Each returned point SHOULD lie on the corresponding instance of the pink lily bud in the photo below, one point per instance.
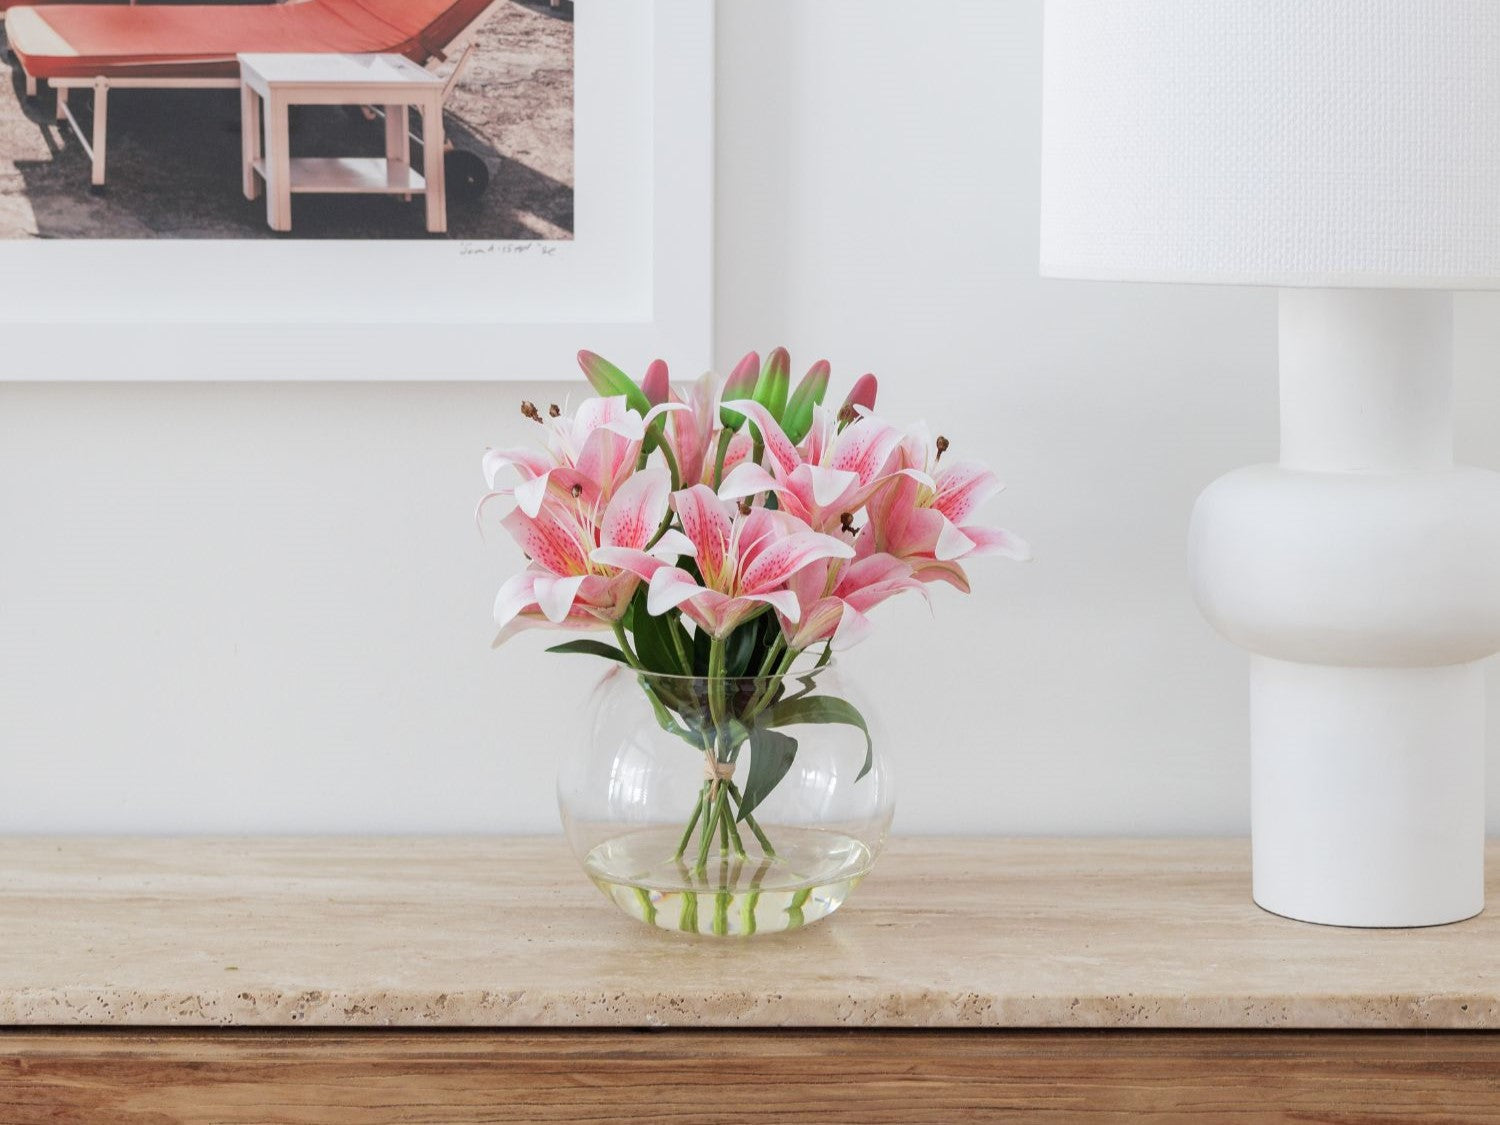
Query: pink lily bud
(862, 394)
(655, 383)
(742, 380)
(740, 385)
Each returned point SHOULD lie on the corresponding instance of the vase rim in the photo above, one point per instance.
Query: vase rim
(794, 672)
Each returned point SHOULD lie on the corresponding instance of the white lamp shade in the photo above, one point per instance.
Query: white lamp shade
(1281, 142)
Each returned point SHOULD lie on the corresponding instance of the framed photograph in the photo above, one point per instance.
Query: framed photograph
(237, 189)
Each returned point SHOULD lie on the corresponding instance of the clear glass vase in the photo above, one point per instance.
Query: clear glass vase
(727, 806)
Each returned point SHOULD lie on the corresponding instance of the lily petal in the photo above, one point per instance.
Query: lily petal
(783, 556)
(783, 601)
(747, 479)
(663, 408)
(864, 447)
(530, 494)
(547, 542)
(518, 592)
(639, 563)
(962, 487)
(636, 510)
(829, 485)
(998, 541)
(670, 587)
(775, 440)
(853, 627)
(920, 477)
(952, 543)
(530, 462)
(554, 596)
(707, 524)
(673, 543)
(816, 624)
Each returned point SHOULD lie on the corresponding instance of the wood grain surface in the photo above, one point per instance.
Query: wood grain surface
(459, 1078)
(505, 932)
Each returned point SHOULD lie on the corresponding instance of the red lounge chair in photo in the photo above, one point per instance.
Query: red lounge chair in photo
(123, 46)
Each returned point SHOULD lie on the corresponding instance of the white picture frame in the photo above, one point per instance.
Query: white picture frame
(635, 282)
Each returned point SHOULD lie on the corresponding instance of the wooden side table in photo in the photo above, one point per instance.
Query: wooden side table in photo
(272, 84)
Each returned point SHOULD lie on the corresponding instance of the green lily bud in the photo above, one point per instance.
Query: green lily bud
(798, 417)
(775, 382)
(609, 381)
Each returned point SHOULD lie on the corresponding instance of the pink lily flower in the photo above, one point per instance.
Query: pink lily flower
(745, 562)
(595, 449)
(835, 472)
(693, 433)
(835, 598)
(577, 551)
(921, 516)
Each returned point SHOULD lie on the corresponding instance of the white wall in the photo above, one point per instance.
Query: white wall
(265, 607)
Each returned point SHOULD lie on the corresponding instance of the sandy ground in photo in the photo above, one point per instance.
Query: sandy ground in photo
(174, 155)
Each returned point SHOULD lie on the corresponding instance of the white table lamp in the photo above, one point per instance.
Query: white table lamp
(1347, 151)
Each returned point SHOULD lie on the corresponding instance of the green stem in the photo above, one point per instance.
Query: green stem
(648, 908)
(768, 692)
(666, 451)
(711, 808)
(666, 520)
(734, 832)
(771, 656)
(721, 912)
(688, 921)
(687, 834)
(794, 911)
(682, 655)
(624, 643)
(751, 823)
(716, 685)
(725, 437)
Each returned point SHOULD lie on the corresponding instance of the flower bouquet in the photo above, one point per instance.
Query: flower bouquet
(726, 538)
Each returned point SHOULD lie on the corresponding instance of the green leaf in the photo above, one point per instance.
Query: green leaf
(664, 716)
(653, 639)
(823, 709)
(740, 648)
(771, 755)
(591, 648)
(702, 642)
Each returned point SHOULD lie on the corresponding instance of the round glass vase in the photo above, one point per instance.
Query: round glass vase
(727, 806)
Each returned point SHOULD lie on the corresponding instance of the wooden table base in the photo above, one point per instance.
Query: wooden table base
(143, 1077)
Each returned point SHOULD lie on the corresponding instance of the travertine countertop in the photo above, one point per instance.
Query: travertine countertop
(508, 932)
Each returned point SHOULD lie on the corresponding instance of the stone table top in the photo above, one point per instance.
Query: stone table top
(506, 932)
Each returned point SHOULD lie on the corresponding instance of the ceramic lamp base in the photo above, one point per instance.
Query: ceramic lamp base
(1361, 573)
(1367, 792)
